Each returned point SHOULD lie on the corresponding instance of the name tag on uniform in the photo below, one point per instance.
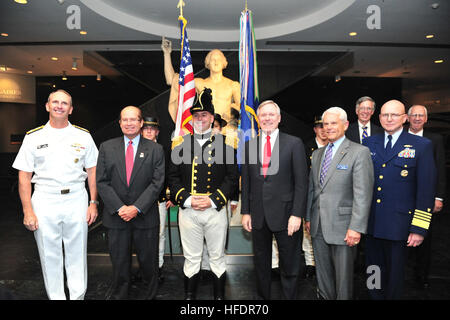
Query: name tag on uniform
(342, 167)
(141, 155)
(407, 153)
(42, 146)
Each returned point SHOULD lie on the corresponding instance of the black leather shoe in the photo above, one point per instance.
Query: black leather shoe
(310, 272)
(190, 287)
(275, 274)
(160, 275)
(219, 286)
(118, 292)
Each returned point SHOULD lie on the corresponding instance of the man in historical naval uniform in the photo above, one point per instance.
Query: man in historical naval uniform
(203, 175)
(403, 199)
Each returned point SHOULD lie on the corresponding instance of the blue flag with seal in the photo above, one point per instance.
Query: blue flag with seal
(248, 78)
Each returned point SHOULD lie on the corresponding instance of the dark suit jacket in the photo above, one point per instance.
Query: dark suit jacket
(146, 182)
(439, 158)
(352, 132)
(280, 194)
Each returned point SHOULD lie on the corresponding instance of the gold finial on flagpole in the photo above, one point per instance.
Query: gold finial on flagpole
(245, 5)
(180, 5)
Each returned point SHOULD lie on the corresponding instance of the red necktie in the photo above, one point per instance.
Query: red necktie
(267, 155)
(129, 160)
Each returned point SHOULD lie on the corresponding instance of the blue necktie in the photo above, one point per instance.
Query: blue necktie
(326, 163)
(364, 133)
(389, 144)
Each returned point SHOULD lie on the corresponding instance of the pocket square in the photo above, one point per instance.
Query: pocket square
(342, 167)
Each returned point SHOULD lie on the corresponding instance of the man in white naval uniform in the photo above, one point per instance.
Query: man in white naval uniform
(58, 211)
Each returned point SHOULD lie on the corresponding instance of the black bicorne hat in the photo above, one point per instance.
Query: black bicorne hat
(203, 102)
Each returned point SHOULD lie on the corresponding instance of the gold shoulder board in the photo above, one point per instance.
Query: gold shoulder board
(35, 129)
(86, 130)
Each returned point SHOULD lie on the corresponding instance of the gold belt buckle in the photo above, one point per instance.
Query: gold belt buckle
(65, 191)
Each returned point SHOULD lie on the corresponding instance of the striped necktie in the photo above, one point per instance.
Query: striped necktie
(364, 133)
(326, 163)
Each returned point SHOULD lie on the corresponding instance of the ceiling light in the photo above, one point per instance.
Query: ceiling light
(3, 68)
(99, 77)
(74, 64)
(21, 1)
(54, 86)
(352, 34)
(83, 32)
(54, 58)
(4, 34)
(429, 36)
(435, 5)
(438, 61)
(64, 76)
(29, 71)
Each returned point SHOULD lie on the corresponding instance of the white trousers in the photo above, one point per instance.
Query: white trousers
(62, 220)
(162, 231)
(195, 226)
(308, 248)
(275, 254)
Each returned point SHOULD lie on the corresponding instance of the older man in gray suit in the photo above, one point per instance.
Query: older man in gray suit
(339, 198)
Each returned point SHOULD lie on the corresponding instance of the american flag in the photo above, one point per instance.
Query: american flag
(186, 87)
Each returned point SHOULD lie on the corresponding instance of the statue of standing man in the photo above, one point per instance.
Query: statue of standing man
(225, 92)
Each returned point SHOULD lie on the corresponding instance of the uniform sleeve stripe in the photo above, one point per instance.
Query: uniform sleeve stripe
(423, 212)
(421, 218)
(176, 196)
(224, 198)
(420, 223)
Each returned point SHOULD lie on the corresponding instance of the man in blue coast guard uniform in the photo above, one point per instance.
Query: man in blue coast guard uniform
(403, 199)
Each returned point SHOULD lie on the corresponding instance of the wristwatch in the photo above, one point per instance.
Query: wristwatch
(94, 201)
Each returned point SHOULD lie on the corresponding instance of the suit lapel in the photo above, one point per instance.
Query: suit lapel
(120, 154)
(320, 155)
(340, 153)
(379, 147)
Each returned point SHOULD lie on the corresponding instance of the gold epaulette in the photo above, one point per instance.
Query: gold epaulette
(35, 129)
(232, 141)
(177, 141)
(86, 130)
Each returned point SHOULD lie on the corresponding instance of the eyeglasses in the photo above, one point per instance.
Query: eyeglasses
(132, 120)
(365, 108)
(394, 116)
(417, 115)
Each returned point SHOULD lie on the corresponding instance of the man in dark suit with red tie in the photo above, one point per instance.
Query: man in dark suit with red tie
(130, 176)
(274, 191)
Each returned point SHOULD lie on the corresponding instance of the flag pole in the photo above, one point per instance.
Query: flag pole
(180, 5)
